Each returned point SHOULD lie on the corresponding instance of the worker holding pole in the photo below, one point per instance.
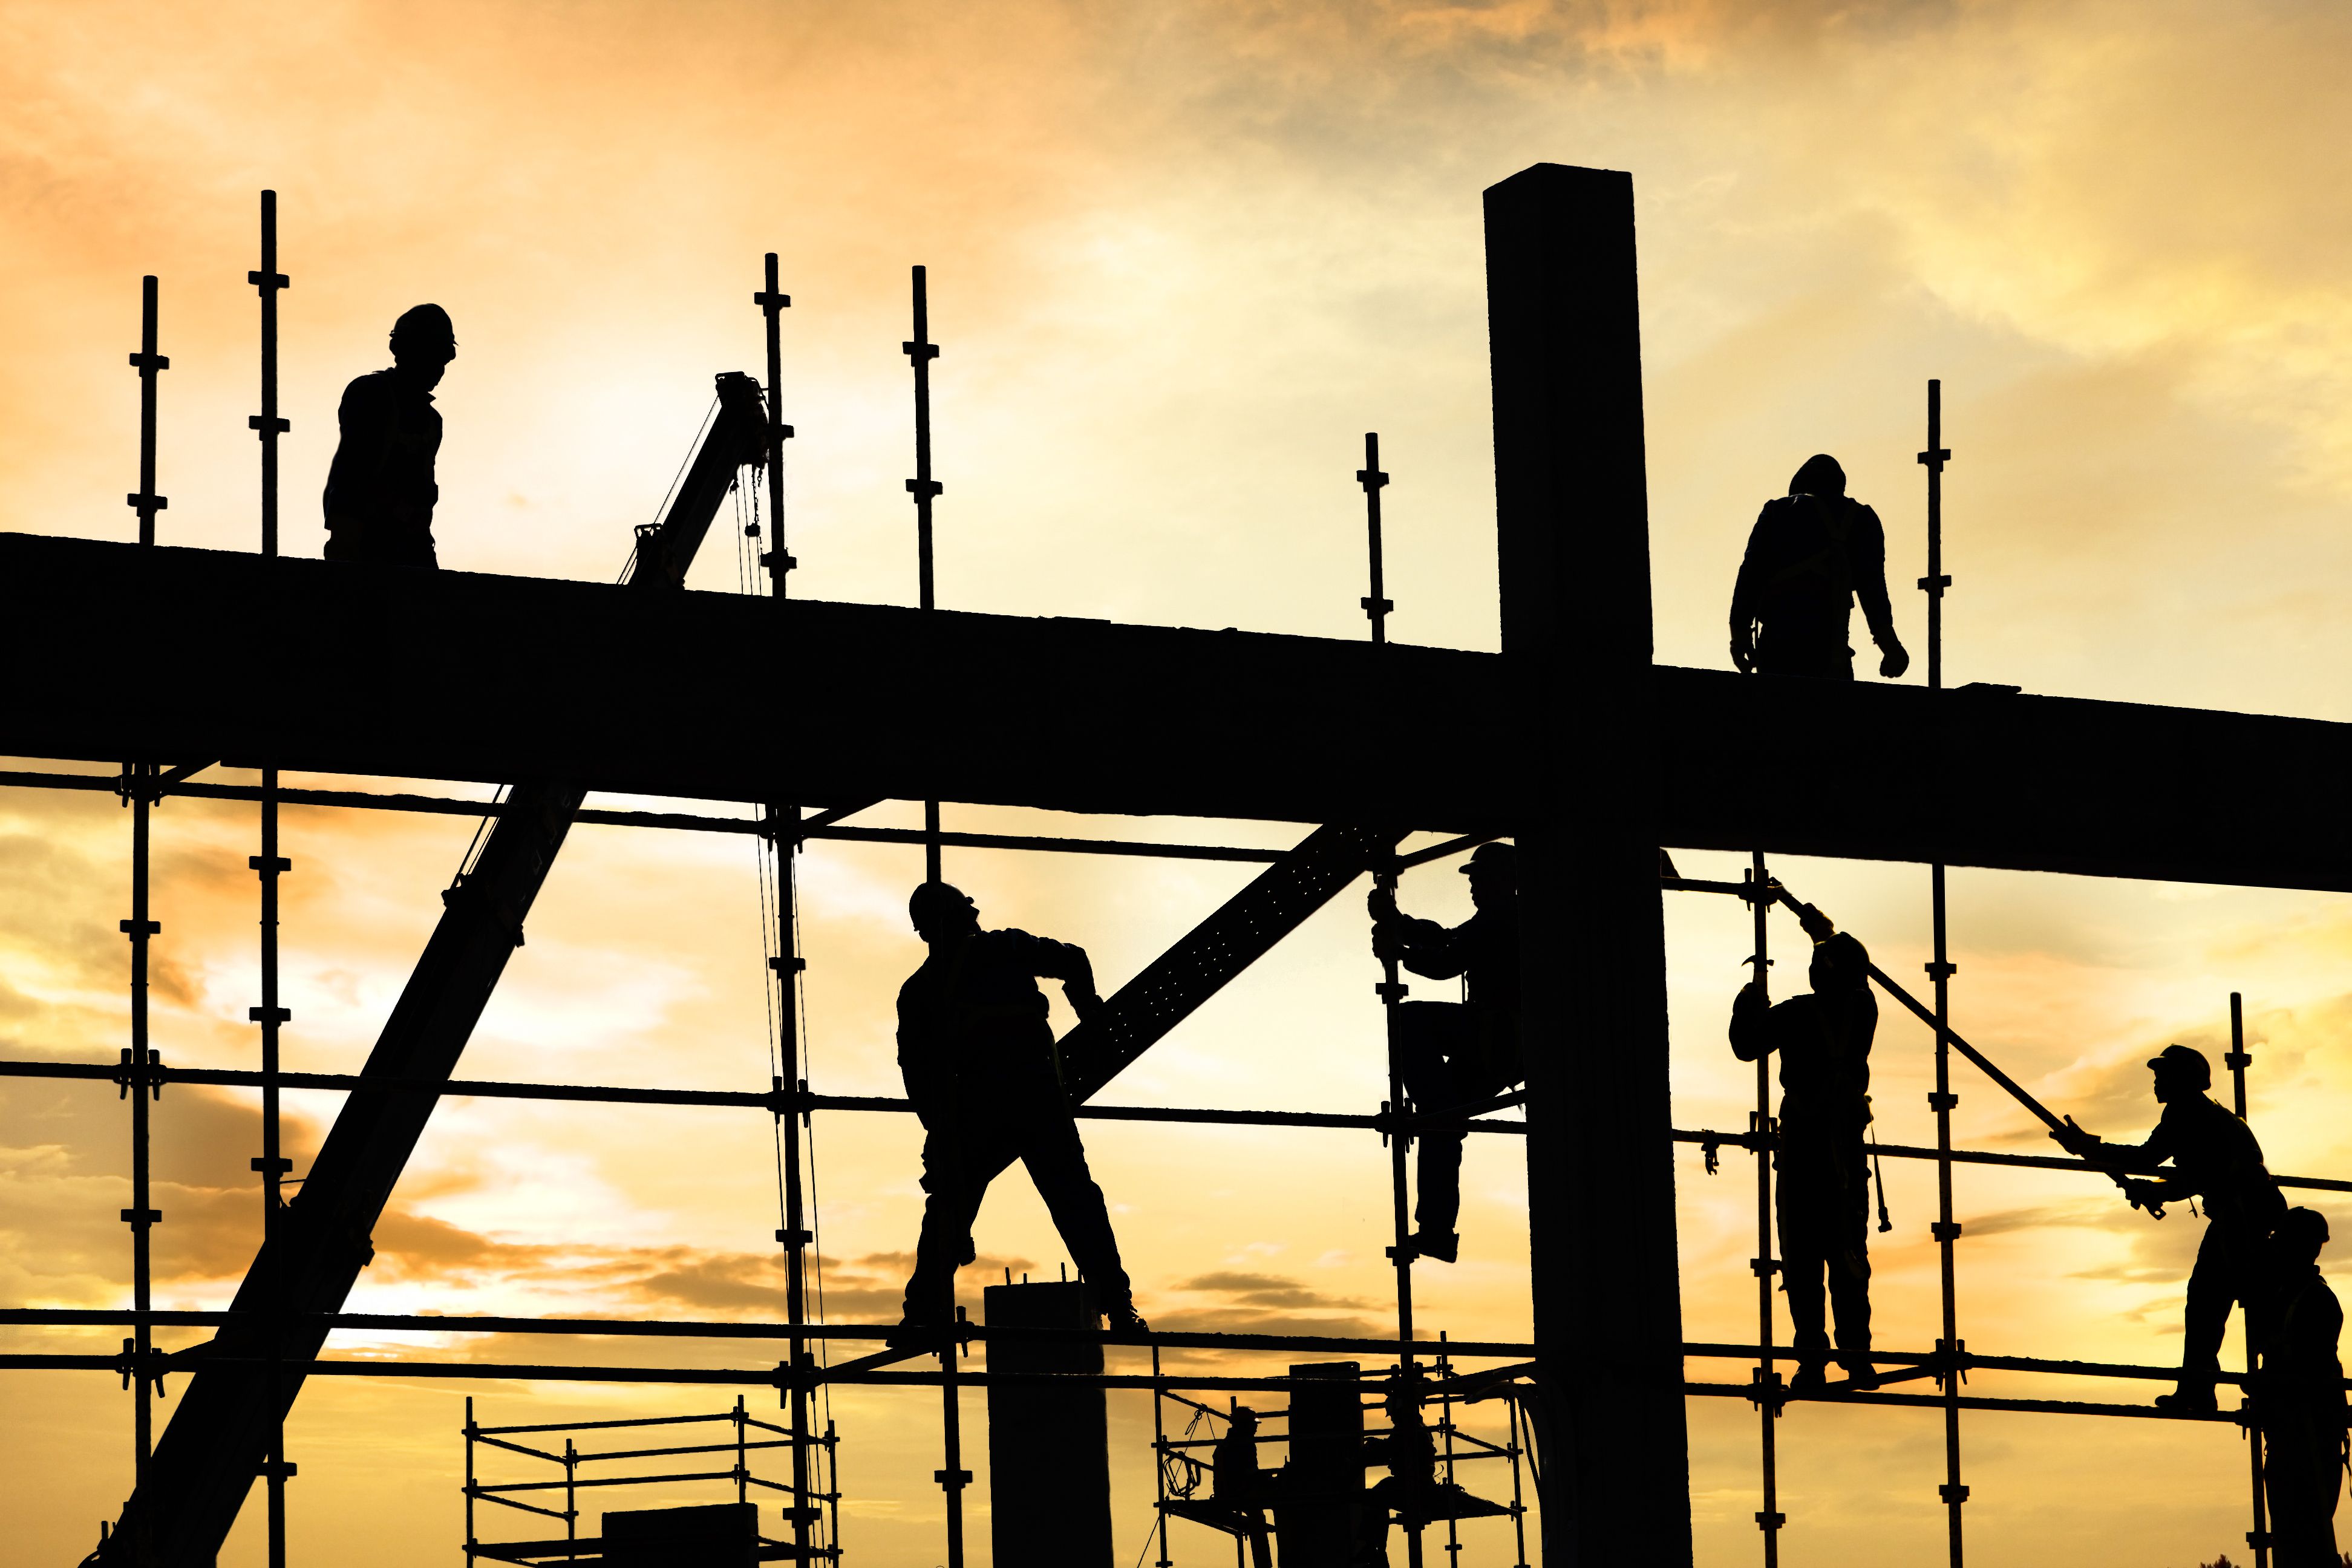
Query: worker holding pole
(981, 1069)
(1822, 1201)
(2213, 1156)
(1456, 1053)
(1811, 555)
(381, 490)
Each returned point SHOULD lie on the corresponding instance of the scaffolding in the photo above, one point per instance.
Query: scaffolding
(1425, 1370)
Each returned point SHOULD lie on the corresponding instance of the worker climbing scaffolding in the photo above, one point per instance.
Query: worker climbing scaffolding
(1823, 1042)
(1456, 1053)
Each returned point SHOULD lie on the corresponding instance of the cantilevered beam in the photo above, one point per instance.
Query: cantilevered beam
(464, 676)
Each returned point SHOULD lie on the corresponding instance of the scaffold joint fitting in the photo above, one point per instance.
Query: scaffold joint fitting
(1376, 606)
(281, 1470)
(269, 425)
(1935, 586)
(925, 489)
(1371, 478)
(2239, 1060)
(270, 1015)
(1940, 971)
(1771, 1520)
(134, 929)
(270, 865)
(141, 1219)
(952, 1480)
(1945, 1231)
(1953, 1492)
(1763, 1268)
(1937, 1102)
(794, 1237)
(273, 1165)
(1391, 990)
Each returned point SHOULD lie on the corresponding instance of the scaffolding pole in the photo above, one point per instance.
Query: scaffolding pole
(1392, 992)
(1940, 970)
(783, 842)
(920, 352)
(1769, 1518)
(270, 865)
(2258, 1539)
(138, 1084)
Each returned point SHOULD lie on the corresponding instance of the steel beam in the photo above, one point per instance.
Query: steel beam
(1572, 517)
(457, 675)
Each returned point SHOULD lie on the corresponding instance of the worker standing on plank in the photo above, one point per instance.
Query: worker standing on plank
(1823, 1197)
(2299, 1396)
(1455, 1053)
(981, 1068)
(380, 490)
(2215, 1157)
(1811, 555)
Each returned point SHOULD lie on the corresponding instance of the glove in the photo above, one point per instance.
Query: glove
(1381, 904)
(1892, 659)
(1388, 943)
(1085, 1001)
(1815, 925)
(2146, 1196)
(2073, 1140)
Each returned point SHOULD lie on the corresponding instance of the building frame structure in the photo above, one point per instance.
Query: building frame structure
(1605, 770)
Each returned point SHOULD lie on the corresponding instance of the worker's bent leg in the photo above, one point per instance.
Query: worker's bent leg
(1431, 1042)
(1050, 1147)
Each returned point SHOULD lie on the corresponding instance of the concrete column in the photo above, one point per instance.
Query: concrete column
(1572, 517)
(1048, 1448)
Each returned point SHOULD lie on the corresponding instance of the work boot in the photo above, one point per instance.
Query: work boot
(1860, 1376)
(2188, 1399)
(1443, 1246)
(1125, 1320)
(1811, 1377)
(913, 1332)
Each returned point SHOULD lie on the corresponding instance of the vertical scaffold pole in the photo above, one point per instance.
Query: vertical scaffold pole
(1159, 1463)
(784, 838)
(2258, 1540)
(952, 1476)
(270, 865)
(921, 353)
(1769, 1518)
(1947, 1230)
(471, 1433)
(137, 1082)
(1392, 992)
(1376, 608)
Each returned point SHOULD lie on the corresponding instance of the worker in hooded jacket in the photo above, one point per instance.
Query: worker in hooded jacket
(1824, 1041)
(1812, 554)
(2299, 1396)
(381, 490)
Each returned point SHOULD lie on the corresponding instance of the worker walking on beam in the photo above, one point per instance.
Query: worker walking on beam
(1456, 1053)
(2215, 1157)
(1823, 1197)
(1811, 555)
(982, 1068)
(381, 490)
(2299, 1397)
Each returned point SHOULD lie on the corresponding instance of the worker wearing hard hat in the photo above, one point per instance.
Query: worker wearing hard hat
(381, 490)
(1811, 555)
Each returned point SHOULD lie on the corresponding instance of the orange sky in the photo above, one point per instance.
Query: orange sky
(1182, 256)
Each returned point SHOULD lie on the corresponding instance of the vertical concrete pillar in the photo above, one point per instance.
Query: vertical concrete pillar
(1319, 1502)
(1572, 517)
(1048, 1448)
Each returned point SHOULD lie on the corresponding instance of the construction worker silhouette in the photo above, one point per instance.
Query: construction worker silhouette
(981, 1068)
(2299, 1396)
(2215, 1157)
(381, 490)
(1811, 555)
(1455, 1053)
(1823, 1201)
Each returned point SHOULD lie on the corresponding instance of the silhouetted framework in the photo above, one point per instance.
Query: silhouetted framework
(577, 688)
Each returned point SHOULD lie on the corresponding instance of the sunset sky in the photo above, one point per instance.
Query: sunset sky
(1182, 256)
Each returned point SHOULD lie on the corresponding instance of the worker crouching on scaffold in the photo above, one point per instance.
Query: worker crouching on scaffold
(1456, 1053)
(2298, 1396)
(1824, 1199)
(2215, 1157)
(982, 1068)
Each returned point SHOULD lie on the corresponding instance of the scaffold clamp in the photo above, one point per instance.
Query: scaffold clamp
(270, 1015)
(1944, 1230)
(1771, 1520)
(1953, 1492)
(269, 425)
(1938, 1100)
(270, 865)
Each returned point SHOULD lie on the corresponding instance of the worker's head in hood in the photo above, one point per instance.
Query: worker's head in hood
(424, 342)
(1840, 964)
(1821, 475)
(941, 910)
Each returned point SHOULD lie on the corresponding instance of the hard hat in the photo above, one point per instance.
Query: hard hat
(2183, 1060)
(1503, 857)
(424, 324)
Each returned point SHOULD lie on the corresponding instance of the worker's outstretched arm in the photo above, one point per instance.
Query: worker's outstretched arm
(1866, 559)
(1067, 963)
(2143, 1157)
